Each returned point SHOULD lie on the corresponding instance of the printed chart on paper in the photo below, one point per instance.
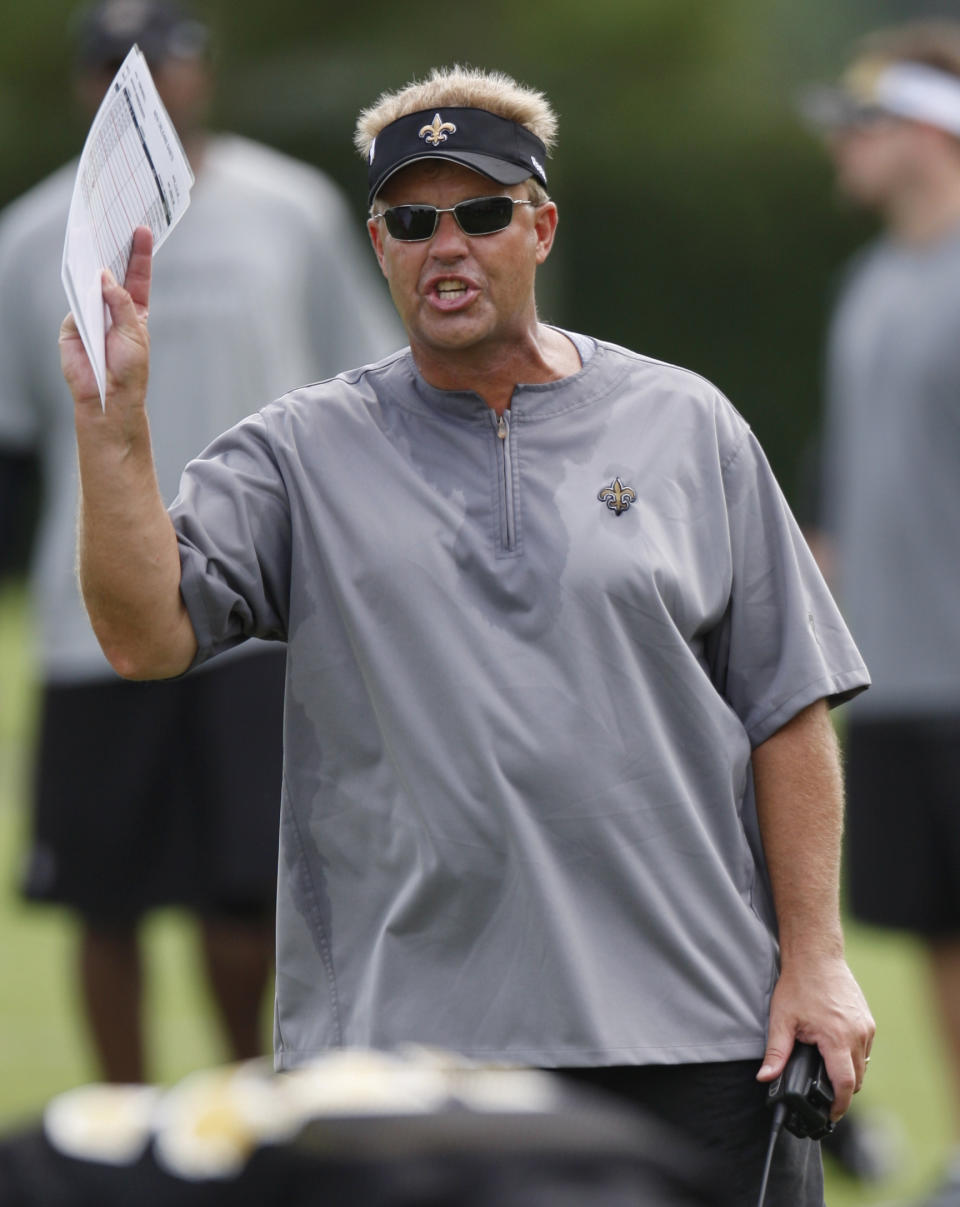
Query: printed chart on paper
(132, 172)
(121, 187)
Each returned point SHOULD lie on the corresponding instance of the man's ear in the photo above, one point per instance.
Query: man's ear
(375, 231)
(545, 226)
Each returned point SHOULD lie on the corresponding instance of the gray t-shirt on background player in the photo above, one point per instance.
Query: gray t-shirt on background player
(268, 282)
(892, 457)
(517, 814)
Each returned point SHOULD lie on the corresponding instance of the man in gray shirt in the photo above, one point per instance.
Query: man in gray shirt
(892, 493)
(560, 787)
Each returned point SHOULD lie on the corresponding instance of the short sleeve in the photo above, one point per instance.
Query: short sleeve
(232, 521)
(782, 643)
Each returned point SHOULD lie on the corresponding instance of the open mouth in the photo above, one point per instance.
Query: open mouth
(451, 291)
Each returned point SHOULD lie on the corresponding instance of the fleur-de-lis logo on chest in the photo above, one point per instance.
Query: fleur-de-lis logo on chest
(617, 496)
(437, 131)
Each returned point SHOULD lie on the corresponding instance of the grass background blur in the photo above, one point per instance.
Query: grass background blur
(43, 1048)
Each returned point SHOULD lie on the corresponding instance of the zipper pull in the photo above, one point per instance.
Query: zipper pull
(502, 428)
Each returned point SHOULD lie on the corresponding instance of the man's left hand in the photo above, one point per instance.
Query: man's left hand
(819, 1002)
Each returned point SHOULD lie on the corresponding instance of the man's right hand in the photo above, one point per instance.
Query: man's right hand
(128, 559)
(127, 342)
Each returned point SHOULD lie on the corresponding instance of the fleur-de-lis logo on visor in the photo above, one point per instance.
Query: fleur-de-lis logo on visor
(617, 496)
(437, 131)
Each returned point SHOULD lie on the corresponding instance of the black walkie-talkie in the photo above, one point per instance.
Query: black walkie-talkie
(805, 1089)
(801, 1098)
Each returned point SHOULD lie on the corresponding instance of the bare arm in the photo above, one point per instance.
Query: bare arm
(129, 566)
(799, 790)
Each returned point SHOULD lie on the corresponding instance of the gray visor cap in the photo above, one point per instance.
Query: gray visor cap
(825, 107)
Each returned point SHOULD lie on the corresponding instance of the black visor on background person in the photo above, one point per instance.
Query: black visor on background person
(104, 33)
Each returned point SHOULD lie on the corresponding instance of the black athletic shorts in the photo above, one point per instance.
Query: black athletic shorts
(903, 823)
(159, 794)
(721, 1111)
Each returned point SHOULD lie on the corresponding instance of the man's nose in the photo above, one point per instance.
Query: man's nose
(448, 238)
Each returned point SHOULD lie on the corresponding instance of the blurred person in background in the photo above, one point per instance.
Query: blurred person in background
(561, 788)
(266, 285)
(890, 525)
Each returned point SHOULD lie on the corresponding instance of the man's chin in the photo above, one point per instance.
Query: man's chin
(455, 332)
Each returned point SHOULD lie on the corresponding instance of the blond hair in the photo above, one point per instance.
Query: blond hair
(468, 88)
(933, 43)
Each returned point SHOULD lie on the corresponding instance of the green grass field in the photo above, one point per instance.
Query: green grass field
(43, 1049)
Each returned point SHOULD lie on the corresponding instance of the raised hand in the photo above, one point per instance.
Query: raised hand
(127, 343)
(128, 561)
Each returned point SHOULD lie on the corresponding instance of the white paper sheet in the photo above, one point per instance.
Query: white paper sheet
(132, 172)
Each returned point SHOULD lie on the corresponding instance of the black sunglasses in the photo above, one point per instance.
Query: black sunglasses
(481, 216)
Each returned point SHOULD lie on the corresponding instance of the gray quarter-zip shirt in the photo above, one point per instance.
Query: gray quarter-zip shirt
(527, 662)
